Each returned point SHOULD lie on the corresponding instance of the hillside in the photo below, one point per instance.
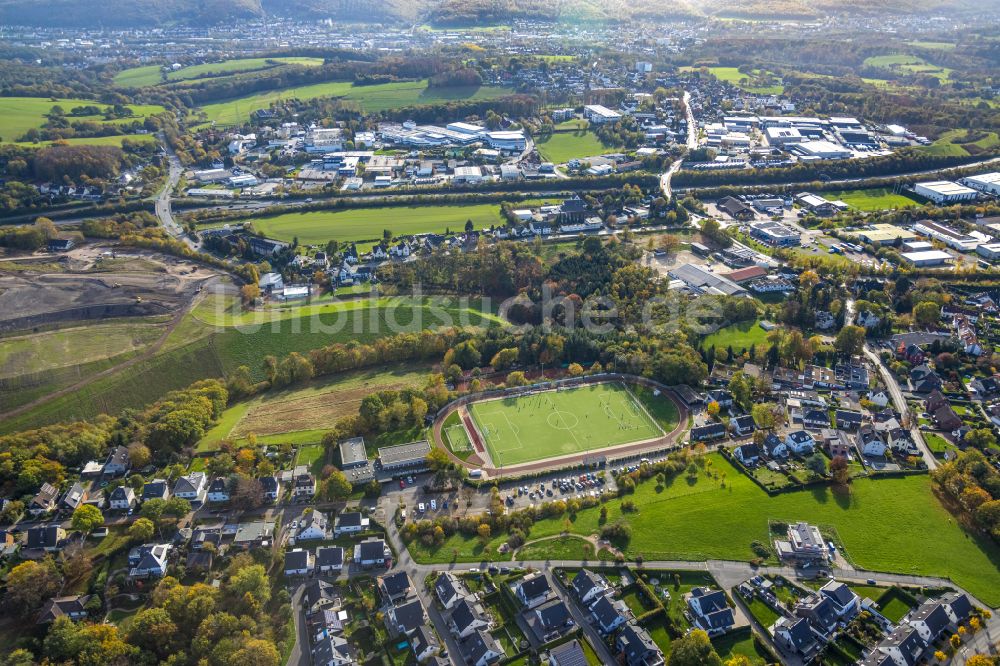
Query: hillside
(142, 13)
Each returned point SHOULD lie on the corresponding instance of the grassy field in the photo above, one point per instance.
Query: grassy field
(556, 423)
(738, 336)
(559, 548)
(20, 114)
(95, 140)
(561, 147)
(370, 98)
(41, 352)
(140, 77)
(872, 199)
(953, 143)
(739, 642)
(934, 46)
(213, 340)
(734, 76)
(368, 223)
(908, 64)
(720, 517)
(311, 407)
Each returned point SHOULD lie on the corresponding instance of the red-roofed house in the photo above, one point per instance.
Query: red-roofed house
(748, 273)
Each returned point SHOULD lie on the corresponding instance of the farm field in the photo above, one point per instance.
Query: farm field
(361, 224)
(709, 520)
(372, 98)
(872, 199)
(738, 336)
(560, 147)
(555, 423)
(311, 407)
(20, 114)
(139, 77)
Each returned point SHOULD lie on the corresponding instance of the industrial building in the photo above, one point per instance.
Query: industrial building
(782, 136)
(700, 281)
(823, 150)
(599, 115)
(947, 235)
(984, 182)
(775, 234)
(989, 250)
(945, 191)
(885, 233)
(926, 258)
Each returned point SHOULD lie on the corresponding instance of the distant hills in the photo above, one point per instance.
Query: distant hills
(146, 13)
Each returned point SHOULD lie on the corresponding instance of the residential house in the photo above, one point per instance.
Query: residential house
(218, 490)
(903, 646)
(319, 594)
(329, 559)
(722, 397)
(743, 426)
(609, 614)
(47, 537)
(816, 418)
(804, 543)
(796, 635)
(372, 553)
(820, 613)
(836, 443)
(424, 643)
(44, 501)
(946, 418)
(848, 419)
(332, 650)
(636, 648)
(74, 607)
(406, 618)
(985, 388)
(148, 561)
(155, 489)
(924, 380)
(271, 487)
(299, 562)
(870, 441)
(117, 463)
(553, 619)
(314, 525)
(350, 522)
(481, 649)
(193, 487)
(710, 611)
(800, 441)
(303, 484)
(775, 447)
(467, 618)
(708, 432)
(568, 654)
(879, 397)
(256, 534)
(845, 602)
(122, 498)
(73, 498)
(394, 587)
(748, 454)
(533, 590)
(930, 620)
(449, 589)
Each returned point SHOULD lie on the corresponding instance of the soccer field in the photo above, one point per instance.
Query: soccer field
(561, 422)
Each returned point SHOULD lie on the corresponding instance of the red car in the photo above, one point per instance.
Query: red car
(402, 484)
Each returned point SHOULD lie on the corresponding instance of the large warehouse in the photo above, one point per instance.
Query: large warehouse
(947, 235)
(823, 150)
(984, 182)
(926, 258)
(945, 191)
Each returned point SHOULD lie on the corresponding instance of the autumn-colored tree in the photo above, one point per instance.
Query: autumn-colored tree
(141, 530)
(713, 409)
(31, 583)
(839, 471)
(249, 293)
(87, 518)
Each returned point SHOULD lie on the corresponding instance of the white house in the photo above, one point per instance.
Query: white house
(588, 586)
(313, 526)
(467, 618)
(122, 498)
(449, 589)
(800, 441)
(218, 490)
(533, 590)
(350, 522)
(192, 487)
(880, 398)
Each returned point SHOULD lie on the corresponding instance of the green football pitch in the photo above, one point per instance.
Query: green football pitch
(552, 423)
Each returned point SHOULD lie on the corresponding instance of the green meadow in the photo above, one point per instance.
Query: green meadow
(20, 114)
(372, 98)
(150, 75)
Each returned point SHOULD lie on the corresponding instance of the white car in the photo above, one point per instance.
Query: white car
(421, 508)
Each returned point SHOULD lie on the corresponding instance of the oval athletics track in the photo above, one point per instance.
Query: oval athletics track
(480, 454)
